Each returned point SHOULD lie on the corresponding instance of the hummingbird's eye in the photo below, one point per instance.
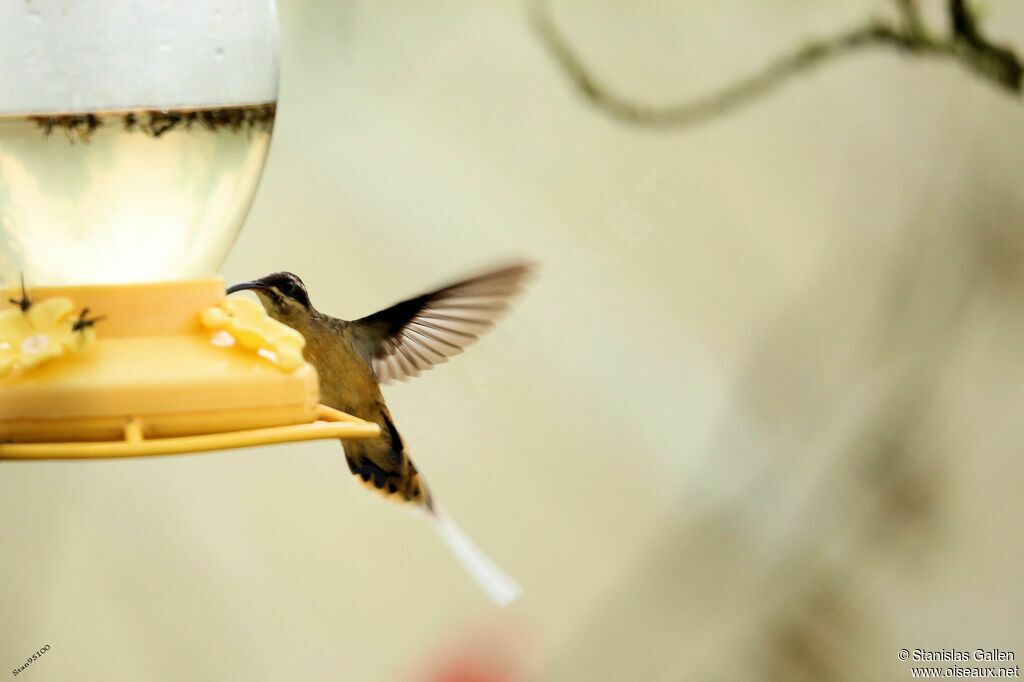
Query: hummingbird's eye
(293, 290)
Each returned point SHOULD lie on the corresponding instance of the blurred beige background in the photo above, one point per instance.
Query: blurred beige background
(757, 418)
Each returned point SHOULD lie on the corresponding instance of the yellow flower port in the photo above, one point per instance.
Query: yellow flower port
(46, 330)
(243, 321)
(171, 367)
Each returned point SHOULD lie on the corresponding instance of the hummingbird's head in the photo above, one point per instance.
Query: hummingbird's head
(282, 294)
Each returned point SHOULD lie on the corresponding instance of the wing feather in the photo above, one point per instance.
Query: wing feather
(416, 334)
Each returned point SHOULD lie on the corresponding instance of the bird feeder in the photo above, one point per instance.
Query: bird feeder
(133, 134)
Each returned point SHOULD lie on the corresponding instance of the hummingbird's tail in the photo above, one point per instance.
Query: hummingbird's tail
(502, 589)
(384, 466)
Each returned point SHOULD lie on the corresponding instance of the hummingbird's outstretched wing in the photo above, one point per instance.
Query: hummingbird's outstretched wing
(414, 335)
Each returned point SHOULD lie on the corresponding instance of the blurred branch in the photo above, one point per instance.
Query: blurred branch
(965, 44)
(999, 64)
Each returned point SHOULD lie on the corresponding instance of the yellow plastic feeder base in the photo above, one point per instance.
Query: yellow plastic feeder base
(156, 381)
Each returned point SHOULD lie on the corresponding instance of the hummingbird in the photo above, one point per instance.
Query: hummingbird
(354, 357)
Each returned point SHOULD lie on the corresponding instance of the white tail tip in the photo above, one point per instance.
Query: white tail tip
(502, 589)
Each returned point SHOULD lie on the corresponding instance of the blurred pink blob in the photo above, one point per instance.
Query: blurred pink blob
(490, 653)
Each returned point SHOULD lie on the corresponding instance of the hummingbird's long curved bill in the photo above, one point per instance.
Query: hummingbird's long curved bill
(244, 286)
